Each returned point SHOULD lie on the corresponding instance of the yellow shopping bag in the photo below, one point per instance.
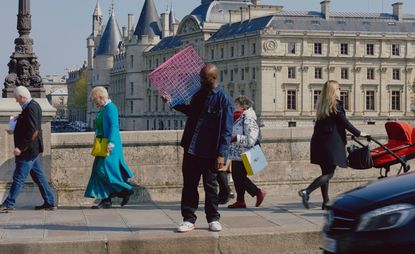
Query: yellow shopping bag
(99, 148)
(254, 160)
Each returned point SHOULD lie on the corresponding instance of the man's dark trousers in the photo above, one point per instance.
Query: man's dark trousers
(193, 168)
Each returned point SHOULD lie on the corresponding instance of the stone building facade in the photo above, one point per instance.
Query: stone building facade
(279, 58)
(56, 91)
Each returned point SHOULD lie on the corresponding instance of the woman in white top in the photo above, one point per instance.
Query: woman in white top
(245, 135)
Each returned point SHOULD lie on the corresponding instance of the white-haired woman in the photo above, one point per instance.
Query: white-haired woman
(327, 148)
(110, 174)
(245, 135)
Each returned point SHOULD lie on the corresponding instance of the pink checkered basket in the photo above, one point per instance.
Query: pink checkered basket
(178, 77)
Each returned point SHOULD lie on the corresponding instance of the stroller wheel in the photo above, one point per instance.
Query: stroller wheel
(407, 168)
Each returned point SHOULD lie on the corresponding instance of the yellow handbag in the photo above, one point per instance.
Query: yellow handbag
(99, 148)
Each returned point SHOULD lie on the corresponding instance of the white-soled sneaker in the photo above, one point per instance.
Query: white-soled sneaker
(185, 226)
(215, 226)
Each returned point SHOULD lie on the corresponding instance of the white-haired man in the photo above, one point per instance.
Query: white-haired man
(28, 145)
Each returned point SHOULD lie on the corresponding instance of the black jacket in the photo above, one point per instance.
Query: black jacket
(208, 129)
(28, 131)
(329, 139)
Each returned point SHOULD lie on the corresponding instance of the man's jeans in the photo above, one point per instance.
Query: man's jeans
(23, 168)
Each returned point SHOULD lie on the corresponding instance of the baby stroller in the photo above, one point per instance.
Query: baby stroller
(399, 149)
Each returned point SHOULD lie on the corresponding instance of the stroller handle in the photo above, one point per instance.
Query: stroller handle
(369, 139)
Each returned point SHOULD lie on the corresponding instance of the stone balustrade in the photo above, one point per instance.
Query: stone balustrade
(155, 158)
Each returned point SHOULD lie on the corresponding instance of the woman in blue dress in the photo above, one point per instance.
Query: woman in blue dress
(110, 174)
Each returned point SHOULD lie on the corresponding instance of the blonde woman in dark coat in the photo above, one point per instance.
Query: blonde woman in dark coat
(328, 142)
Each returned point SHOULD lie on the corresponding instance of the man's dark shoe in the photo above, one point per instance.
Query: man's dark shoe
(104, 204)
(46, 207)
(126, 197)
(305, 197)
(5, 209)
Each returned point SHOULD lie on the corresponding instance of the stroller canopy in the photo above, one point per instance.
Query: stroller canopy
(400, 132)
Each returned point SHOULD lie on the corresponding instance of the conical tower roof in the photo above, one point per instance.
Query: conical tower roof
(149, 22)
(111, 37)
(97, 11)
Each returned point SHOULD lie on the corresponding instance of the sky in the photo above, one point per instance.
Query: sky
(60, 27)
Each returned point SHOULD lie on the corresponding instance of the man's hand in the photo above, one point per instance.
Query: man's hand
(17, 152)
(220, 162)
(165, 98)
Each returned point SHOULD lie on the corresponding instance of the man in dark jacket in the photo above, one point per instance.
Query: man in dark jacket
(206, 139)
(28, 145)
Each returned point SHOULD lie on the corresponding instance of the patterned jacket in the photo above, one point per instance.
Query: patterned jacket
(246, 130)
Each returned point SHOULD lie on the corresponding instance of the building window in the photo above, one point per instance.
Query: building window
(175, 124)
(242, 49)
(396, 74)
(132, 61)
(243, 92)
(212, 54)
(344, 73)
(370, 73)
(344, 48)
(221, 53)
(154, 124)
(221, 76)
(344, 97)
(291, 47)
(132, 88)
(232, 51)
(149, 103)
(316, 96)
(148, 124)
(253, 48)
(169, 124)
(231, 78)
(291, 72)
(370, 49)
(396, 48)
(318, 73)
(131, 106)
(370, 100)
(242, 74)
(291, 100)
(253, 73)
(396, 100)
(317, 48)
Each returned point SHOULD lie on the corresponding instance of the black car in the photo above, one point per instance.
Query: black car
(375, 218)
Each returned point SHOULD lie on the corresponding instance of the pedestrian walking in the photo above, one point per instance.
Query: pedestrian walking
(328, 143)
(205, 140)
(110, 174)
(28, 143)
(245, 135)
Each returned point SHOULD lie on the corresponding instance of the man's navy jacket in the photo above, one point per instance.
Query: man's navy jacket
(208, 132)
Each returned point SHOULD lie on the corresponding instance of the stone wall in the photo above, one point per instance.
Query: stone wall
(155, 158)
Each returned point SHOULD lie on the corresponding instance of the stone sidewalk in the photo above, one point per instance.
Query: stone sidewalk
(275, 227)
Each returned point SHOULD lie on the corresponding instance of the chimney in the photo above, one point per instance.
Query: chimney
(165, 32)
(397, 11)
(124, 32)
(256, 2)
(325, 9)
(130, 24)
